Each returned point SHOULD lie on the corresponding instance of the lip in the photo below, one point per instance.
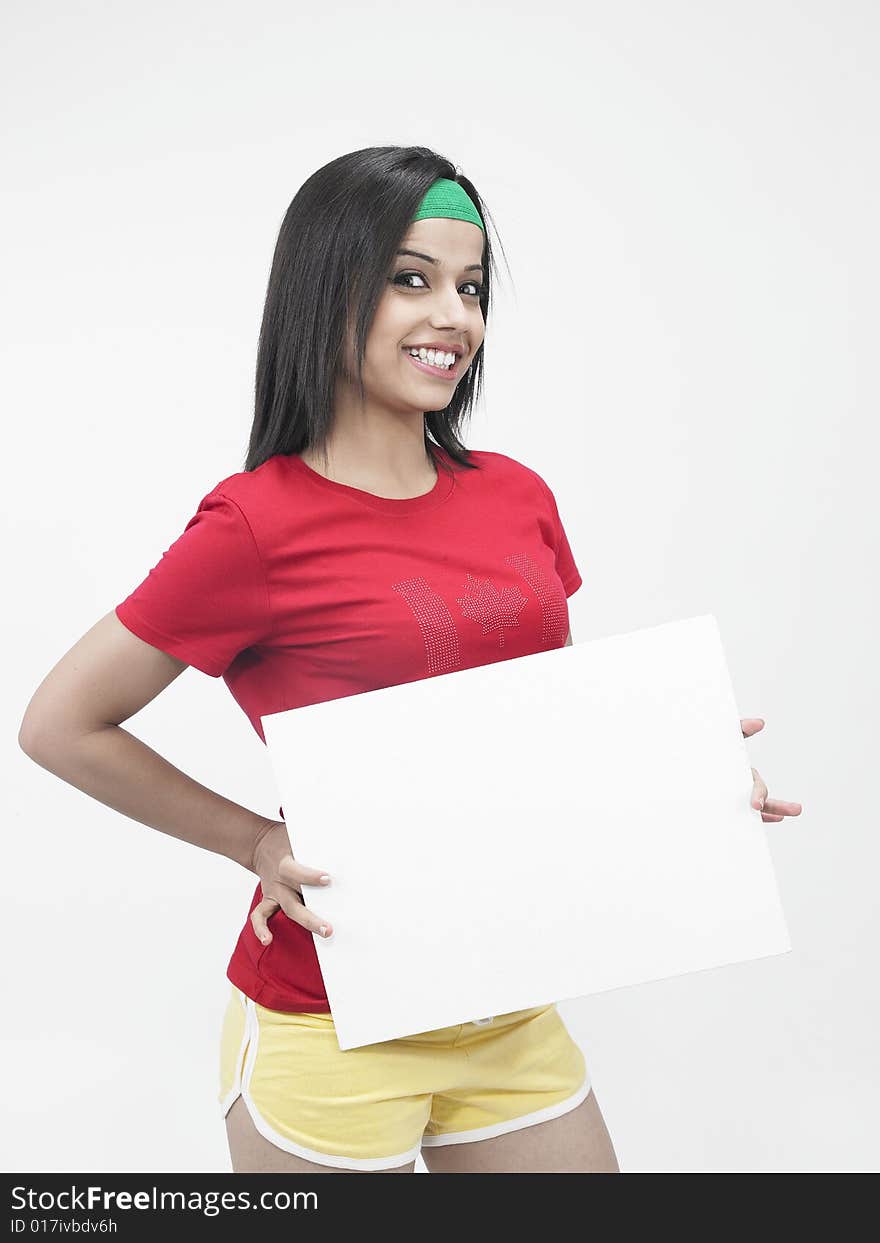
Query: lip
(439, 373)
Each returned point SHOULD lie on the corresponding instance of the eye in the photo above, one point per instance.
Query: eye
(403, 276)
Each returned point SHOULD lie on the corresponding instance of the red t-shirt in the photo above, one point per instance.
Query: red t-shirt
(297, 589)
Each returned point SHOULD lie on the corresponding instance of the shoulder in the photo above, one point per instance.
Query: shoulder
(255, 495)
(249, 507)
(248, 488)
(505, 469)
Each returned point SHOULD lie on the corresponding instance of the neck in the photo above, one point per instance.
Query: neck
(384, 451)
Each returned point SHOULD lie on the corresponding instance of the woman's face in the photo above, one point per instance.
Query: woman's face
(432, 297)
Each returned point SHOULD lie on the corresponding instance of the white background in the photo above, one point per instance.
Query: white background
(687, 195)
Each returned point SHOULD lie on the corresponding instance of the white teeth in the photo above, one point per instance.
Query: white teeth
(436, 358)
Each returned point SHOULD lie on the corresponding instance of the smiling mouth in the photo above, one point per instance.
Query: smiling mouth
(441, 373)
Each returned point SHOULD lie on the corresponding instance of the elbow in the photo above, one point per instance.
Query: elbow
(45, 742)
(29, 736)
(39, 737)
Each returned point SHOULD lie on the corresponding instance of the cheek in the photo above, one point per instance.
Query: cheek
(383, 364)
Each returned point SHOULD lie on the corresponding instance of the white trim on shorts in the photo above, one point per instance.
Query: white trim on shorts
(241, 1087)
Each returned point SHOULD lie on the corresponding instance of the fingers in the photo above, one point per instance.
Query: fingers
(259, 915)
(759, 791)
(751, 725)
(293, 908)
(778, 807)
(292, 873)
(772, 809)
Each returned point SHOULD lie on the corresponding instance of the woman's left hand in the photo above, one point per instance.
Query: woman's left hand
(771, 809)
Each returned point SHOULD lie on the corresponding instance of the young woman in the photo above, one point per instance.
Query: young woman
(362, 546)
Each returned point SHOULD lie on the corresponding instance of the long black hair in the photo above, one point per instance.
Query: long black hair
(334, 250)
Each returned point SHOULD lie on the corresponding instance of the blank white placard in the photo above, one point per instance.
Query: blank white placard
(532, 830)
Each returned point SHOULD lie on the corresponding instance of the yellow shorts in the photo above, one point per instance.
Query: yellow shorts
(374, 1107)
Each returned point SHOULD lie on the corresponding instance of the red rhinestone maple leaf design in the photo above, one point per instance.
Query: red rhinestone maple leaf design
(494, 609)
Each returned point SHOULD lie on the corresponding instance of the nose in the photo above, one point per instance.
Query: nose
(450, 312)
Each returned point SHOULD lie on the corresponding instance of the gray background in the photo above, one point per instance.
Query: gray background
(687, 194)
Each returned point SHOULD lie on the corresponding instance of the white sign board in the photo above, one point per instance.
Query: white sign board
(537, 829)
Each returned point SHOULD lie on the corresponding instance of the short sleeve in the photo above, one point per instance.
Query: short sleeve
(206, 600)
(565, 563)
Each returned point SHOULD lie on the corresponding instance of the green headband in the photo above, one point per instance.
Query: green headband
(447, 198)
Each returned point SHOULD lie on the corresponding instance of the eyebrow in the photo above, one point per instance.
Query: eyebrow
(417, 254)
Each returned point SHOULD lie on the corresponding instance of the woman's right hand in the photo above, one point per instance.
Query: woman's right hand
(280, 874)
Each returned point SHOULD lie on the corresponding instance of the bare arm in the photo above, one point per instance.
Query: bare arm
(72, 729)
(567, 642)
